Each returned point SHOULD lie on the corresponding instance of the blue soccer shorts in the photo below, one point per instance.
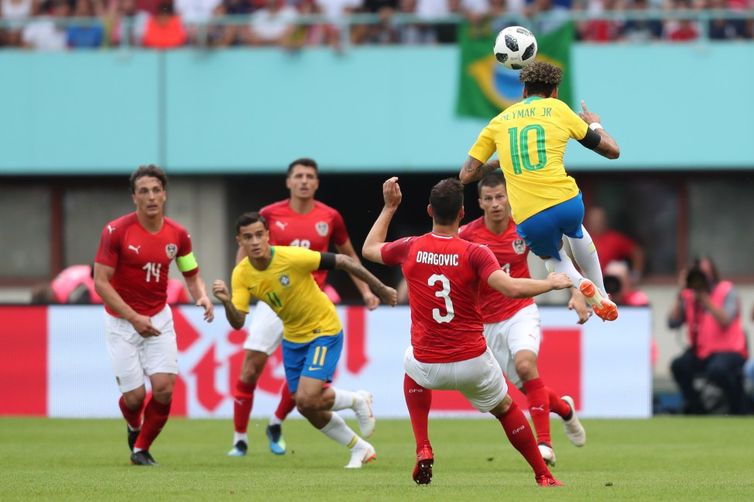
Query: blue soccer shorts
(316, 359)
(543, 231)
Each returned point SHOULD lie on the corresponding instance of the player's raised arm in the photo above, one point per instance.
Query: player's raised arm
(391, 193)
(597, 138)
(474, 170)
(235, 317)
(525, 288)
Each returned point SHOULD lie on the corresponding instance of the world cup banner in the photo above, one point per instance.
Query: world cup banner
(53, 362)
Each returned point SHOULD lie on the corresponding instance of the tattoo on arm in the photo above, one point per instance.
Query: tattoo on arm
(356, 269)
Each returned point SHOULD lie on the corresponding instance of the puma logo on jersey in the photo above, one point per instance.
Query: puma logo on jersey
(110, 228)
(133, 248)
(538, 408)
(281, 224)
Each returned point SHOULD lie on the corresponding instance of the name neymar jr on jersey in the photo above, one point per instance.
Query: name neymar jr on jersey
(526, 113)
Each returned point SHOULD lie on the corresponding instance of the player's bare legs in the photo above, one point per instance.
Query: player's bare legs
(243, 399)
(419, 402)
(315, 402)
(156, 414)
(521, 437)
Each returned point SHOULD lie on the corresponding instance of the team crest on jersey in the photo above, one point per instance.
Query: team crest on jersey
(284, 280)
(322, 228)
(171, 250)
(519, 246)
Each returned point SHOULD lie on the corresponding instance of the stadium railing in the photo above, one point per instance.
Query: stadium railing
(702, 17)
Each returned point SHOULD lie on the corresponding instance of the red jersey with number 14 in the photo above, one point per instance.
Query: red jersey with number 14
(141, 261)
(511, 253)
(443, 275)
(312, 230)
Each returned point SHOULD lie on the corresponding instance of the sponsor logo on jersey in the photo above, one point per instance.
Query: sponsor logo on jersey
(519, 246)
(171, 250)
(110, 228)
(322, 228)
(284, 280)
(281, 224)
(133, 248)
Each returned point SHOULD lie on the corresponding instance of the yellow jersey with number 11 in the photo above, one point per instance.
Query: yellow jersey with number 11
(287, 286)
(530, 138)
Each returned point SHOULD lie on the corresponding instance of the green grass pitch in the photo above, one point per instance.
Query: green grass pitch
(669, 458)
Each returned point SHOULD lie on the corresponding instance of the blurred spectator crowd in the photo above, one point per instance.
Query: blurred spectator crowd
(166, 24)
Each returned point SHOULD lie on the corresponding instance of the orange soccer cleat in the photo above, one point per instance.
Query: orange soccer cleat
(605, 308)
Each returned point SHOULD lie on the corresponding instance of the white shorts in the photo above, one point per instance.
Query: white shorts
(265, 330)
(133, 356)
(507, 338)
(479, 379)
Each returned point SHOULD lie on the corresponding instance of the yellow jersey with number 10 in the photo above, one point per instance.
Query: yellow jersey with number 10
(287, 286)
(530, 138)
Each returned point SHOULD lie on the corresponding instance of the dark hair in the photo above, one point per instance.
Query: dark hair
(148, 170)
(540, 78)
(446, 199)
(490, 180)
(249, 219)
(303, 161)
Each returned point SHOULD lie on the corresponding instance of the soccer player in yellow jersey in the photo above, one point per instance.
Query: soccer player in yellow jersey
(530, 138)
(280, 276)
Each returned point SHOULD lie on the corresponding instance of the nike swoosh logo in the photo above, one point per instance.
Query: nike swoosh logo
(314, 368)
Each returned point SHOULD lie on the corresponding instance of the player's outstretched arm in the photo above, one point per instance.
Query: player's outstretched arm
(199, 293)
(391, 193)
(607, 146)
(235, 317)
(141, 323)
(525, 288)
(370, 299)
(353, 267)
(474, 170)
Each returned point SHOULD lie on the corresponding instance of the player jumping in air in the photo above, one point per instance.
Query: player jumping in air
(281, 277)
(448, 349)
(530, 138)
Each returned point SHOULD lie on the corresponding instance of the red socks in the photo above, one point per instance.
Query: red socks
(558, 406)
(521, 437)
(155, 416)
(243, 399)
(418, 402)
(287, 403)
(539, 409)
(133, 417)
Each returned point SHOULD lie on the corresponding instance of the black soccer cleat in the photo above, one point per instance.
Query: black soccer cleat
(132, 435)
(143, 458)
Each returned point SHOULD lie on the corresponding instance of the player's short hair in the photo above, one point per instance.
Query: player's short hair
(541, 78)
(249, 219)
(446, 199)
(303, 161)
(148, 170)
(490, 180)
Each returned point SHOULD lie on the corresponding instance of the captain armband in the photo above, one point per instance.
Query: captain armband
(186, 263)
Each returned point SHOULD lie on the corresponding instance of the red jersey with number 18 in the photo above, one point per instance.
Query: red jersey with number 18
(511, 253)
(443, 275)
(312, 230)
(141, 261)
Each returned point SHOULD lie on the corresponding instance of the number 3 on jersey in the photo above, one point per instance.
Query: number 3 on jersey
(444, 293)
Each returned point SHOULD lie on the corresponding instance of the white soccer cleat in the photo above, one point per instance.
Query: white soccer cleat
(573, 428)
(361, 454)
(548, 455)
(363, 410)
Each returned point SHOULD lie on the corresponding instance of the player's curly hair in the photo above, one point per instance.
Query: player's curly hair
(148, 170)
(446, 199)
(541, 78)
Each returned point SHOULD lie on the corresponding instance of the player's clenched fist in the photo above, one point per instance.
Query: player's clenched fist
(220, 290)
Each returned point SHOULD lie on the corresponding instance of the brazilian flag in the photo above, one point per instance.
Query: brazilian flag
(486, 87)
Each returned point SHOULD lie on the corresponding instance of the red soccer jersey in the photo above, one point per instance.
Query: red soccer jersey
(443, 275)
(613, 245)
(141, 260)
(511, 253)
(312, 230)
